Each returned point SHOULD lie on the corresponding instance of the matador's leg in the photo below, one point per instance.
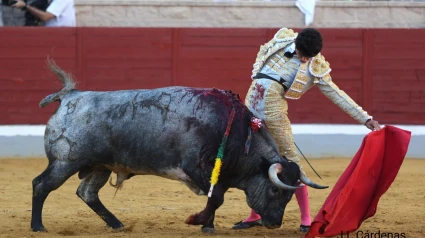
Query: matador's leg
(280, 127)
(278, 123)
(265, 100)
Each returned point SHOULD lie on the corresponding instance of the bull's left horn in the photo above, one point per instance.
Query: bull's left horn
(310, 183)
(273, 171)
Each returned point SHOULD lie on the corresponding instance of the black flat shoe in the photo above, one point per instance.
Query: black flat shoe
(246, 225)
(304, 228)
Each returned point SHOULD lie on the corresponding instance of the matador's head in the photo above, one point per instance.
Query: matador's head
(308, 44)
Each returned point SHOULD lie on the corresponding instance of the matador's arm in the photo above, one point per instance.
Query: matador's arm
(321, 71)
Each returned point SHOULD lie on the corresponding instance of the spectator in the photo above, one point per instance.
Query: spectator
(58, 13)
(30, 19)
(1, 16)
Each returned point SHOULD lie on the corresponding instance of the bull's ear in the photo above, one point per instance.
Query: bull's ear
(265, 164)
(284, 158)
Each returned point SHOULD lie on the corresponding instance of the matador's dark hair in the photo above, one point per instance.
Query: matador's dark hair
(309, 42)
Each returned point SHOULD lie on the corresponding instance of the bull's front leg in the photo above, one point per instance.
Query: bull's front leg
(206, 216)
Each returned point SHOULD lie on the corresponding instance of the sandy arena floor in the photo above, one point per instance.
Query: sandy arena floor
(155, 207)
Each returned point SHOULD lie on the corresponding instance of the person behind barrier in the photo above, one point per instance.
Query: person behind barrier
(285, 68)
(59, 13)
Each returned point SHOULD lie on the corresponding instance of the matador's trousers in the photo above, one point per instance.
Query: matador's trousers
(266, 101)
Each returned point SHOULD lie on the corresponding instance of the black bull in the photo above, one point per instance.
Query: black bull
(172, 132)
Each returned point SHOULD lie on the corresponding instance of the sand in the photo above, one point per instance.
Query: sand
(151, 206)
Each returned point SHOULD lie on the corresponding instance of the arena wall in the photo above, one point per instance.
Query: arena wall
(383, 70)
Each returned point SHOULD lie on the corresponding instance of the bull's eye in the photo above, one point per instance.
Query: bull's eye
(275, 190)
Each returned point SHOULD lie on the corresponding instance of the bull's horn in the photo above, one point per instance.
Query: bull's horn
(273, 171)
(310, 183)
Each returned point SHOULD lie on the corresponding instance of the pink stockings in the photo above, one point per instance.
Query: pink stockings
(253, 217)
(302, 198)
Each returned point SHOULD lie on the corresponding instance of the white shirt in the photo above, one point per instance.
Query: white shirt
(64, 11)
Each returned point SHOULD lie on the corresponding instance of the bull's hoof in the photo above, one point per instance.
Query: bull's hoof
(190, 219)
(116, 228)
(39, 229)
(207, 230)
(193, 220)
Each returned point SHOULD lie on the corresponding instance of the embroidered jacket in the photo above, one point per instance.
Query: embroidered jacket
(316, 71)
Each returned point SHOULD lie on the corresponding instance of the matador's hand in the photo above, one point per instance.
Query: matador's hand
(373, 125)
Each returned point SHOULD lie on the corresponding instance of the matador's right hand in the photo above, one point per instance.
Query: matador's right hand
(372, 125)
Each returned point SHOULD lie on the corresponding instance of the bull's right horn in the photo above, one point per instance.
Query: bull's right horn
(273, 171)
(310, 183)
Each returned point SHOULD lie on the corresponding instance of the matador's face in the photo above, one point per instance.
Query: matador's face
(302, 58)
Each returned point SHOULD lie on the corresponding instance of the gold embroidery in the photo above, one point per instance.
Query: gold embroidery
(297, 86)
(276, 61)
(272, 65)
(293, 94)
(301, 77)
(319, 67)
(327, 78)
(303, 67)
(296, 89)
(282, 38)
(285, 34)
(276, 117)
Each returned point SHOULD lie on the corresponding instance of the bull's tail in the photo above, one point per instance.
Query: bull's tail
(67, 82)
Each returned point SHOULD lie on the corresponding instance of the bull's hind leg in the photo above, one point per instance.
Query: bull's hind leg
(88, 191)
(52, 178)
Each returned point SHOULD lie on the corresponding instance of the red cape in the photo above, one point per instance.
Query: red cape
(356, 194)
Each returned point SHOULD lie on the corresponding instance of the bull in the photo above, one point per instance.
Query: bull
(171, 132)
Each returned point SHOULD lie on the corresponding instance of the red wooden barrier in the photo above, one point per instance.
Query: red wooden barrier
(381, 69)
